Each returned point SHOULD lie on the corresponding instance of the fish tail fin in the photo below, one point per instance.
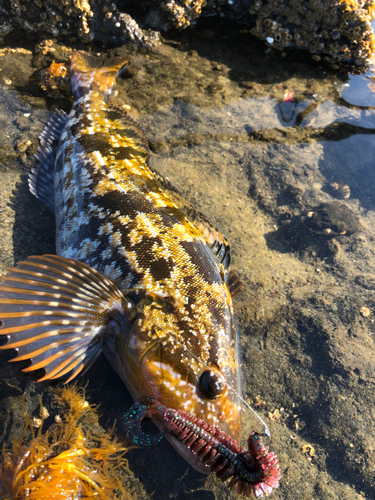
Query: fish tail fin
(56, 312)
(90, 72)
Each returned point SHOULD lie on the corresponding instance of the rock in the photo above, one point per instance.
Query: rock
(332, 219)
(340, 190)
(335, 32)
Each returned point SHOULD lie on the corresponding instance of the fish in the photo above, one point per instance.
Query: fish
(140, 273)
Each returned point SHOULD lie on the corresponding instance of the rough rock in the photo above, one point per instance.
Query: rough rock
(335, 31)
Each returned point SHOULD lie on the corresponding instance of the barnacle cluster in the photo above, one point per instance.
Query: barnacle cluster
(67, 461)
(181, 13)
(85, 19)
(336, 31)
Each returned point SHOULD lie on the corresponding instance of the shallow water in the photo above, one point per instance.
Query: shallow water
(255, 141)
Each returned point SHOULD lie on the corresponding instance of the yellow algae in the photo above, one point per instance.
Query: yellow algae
(67, 461)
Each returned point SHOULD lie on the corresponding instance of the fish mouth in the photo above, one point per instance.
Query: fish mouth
(207, 448)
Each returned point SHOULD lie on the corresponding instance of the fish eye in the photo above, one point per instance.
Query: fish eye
(211, 385)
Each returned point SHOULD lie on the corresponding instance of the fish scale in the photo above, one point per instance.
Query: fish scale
(154, 271)
(146, 245)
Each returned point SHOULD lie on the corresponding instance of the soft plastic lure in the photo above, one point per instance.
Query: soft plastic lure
(255, 470)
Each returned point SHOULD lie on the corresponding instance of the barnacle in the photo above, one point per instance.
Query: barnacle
(181, 12)
(340, 190)
(67, 461)
(82, 18)
(338, 30)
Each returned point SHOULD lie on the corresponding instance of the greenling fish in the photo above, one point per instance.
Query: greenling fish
(140, 273)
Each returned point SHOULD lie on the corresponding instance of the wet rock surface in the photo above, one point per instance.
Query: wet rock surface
(334, 32)
(255, 163)
(332, 219)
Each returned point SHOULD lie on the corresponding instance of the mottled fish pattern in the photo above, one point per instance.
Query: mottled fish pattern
(117, 215)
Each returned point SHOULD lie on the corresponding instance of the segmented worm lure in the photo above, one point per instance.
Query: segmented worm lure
(255, 470)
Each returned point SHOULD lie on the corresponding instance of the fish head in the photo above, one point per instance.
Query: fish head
(188, 364)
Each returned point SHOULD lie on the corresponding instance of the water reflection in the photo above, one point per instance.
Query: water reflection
(237, 120)
(360, 91)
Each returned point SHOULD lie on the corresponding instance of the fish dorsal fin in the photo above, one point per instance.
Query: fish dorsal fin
(41, 177)
(211, 234)
(56, 311)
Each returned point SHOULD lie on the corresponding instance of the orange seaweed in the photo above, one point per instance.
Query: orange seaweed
(67, 462)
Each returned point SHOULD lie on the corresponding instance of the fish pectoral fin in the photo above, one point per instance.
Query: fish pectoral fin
(235, 283)
(56, 311)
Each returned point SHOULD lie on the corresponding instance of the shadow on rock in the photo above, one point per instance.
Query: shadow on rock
(293, 237)
(348, 162)
(162, 472)
(34, 224)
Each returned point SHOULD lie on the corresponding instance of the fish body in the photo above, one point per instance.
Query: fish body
(161, 308)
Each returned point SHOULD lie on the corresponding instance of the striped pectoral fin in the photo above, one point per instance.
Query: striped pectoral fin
(234, 283)
(56, 312)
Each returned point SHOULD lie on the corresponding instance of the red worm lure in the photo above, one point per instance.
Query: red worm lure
(255, 470)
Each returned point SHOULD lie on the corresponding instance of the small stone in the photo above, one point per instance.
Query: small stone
(333, 246)
(365, 311)
(247, 85)
(23, 145)
(340, 190)
(214, 88)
